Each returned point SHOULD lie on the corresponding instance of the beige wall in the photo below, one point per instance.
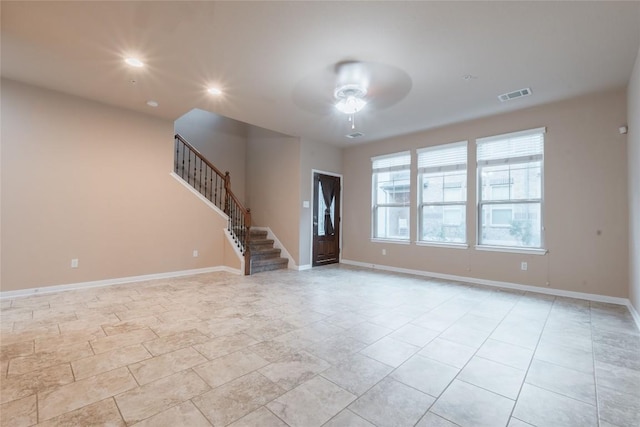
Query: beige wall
(585, 191)
(88, 181)
(273, 185)
(223, 141)
(633, 141)
(313, 156)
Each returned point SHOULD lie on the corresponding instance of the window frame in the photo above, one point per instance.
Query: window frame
(480, 203)
(461, 204)
(374, 202)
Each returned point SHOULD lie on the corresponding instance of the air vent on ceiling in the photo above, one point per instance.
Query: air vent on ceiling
(515, 94)
(355, 135)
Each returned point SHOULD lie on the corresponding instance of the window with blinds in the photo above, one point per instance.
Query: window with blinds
(391, 196)
(442, 193)
(510, 189)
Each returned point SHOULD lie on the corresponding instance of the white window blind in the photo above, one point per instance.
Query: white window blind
(391, 162)
(517, 147)
(442, 158)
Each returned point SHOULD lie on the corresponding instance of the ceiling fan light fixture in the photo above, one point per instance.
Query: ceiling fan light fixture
(350, 98)
(350, 105)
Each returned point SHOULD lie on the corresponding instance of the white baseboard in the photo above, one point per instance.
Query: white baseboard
(111, 282)
(304, 267)
(495, 283)
(278, 244)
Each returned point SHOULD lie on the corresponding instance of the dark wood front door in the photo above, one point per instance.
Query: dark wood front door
(326, 219)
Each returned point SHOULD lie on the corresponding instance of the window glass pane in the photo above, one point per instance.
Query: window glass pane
(391, 222)
(499, 192)
(391, 187)
(444, 223)
(444, 187)
(452, 215)
(512, 182)
(432, 184)
(501, 216)
(517, 225)
(526, 181)
(321, 207)
(495, 182)
(455, 186)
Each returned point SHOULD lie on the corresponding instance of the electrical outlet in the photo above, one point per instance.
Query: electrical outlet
(523, 266)
(74, 263)
(384, 252)
(195, 253)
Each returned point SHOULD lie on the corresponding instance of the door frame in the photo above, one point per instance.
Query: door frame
(339, 175)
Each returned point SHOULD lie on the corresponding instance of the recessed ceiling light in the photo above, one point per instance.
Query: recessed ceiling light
(214, 91)
(152, 103)
(134, 62)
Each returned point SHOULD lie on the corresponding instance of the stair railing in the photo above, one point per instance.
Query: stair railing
(215, 186)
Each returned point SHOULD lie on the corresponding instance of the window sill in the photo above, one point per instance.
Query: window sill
(529, 251)
(443, 245)
(397, 241)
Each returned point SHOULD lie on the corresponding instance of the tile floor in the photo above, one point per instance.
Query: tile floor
(333, 346)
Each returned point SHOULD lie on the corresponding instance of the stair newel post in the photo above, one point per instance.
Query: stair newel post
(247, 238)
(227, 187)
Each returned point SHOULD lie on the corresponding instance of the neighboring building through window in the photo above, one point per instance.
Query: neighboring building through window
(510, 189)
(442, 193)
(391, 196)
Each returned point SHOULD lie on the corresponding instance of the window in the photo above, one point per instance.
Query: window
(390, 213)
(442, 193)
(510, 196)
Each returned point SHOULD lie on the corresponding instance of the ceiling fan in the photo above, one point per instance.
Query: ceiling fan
(350, 87)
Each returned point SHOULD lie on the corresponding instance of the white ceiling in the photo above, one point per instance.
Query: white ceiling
(274, 59)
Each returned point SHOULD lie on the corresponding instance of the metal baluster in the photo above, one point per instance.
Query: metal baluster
(177, 155)
(240, 230)
(189, 167)
(200, 178)
(182, 171)
(215, 196)
(193, 173)
(206, 175)
(211, 185)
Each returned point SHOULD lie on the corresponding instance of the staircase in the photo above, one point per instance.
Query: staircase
(264, 257)
(258, 251)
